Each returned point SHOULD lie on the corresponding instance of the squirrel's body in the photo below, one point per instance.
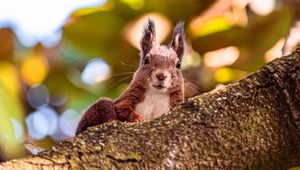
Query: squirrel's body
(157, 85)
(153, 105)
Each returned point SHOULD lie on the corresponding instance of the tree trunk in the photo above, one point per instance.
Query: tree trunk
(251, 124)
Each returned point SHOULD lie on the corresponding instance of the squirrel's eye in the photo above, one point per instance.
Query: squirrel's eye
(146, 60)
(178, 64)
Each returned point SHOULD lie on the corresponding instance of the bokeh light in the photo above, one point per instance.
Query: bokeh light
(275, 51)
(41, 123)
(58, 100)
(95, 72)
(221, 57)
(224, 75)
(39, 21)
(34, 69)
(293, 38)
(9, 78)
(213, 25)
(38, 96)
(68, 122)
(262, 7)
(133, 31)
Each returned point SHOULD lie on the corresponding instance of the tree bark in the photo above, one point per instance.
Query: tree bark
(251, 124)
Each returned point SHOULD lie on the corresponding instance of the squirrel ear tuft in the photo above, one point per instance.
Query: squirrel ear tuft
(148, 38)
(177, 42)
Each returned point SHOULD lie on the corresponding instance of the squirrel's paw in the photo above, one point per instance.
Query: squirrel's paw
(136, 118)
(139, 118)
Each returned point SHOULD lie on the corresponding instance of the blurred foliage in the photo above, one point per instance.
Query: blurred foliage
(102, 32)
(254, 40)
(12, 117)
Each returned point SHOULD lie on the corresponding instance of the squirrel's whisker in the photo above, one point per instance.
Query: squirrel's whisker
(122, 74)
(192, 86)
(115, 83)
(130, 65)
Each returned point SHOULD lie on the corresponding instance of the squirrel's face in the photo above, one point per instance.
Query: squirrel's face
(160, 64)
(160, 68)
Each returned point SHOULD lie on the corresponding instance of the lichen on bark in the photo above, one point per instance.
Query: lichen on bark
(251, 124)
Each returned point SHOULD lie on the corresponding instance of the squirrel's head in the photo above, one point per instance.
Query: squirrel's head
(160, 66)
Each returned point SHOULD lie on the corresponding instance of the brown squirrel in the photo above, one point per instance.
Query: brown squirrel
(157, 85)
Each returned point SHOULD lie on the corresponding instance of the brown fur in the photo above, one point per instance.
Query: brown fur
(159, 74)
(125, 104)
(94, 115)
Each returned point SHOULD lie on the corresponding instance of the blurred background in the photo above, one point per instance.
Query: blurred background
(57, 57)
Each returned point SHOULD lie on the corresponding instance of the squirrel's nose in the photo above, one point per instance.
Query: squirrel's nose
(160, 76)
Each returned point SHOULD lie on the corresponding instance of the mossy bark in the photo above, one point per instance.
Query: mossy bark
(251, 124)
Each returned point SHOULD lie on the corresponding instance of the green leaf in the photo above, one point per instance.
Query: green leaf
(10, 112)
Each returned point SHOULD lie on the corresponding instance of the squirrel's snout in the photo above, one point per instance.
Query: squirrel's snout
(161, 79)
(161, 76)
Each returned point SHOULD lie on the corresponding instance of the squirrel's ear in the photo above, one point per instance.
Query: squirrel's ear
(177, 42)
(148, 38)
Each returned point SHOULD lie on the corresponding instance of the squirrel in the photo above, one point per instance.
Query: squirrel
(156, 87)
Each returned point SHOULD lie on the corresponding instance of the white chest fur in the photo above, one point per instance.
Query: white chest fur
(154, 105)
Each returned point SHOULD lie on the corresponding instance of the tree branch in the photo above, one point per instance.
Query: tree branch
(253, 123)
